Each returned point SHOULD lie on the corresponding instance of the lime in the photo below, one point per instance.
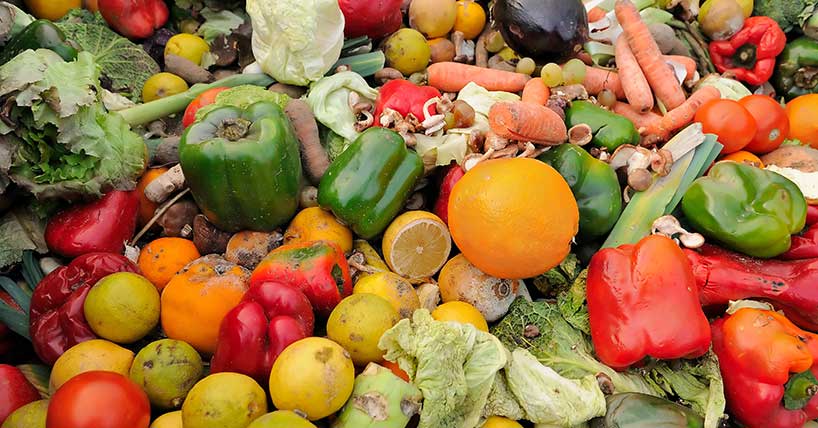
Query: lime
(122, 307)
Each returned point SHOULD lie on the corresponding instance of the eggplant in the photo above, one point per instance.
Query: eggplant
(545, 30)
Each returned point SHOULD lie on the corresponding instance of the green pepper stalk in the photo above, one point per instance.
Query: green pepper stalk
(797, 70)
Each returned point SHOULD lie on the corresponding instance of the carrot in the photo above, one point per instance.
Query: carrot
(597, 79)
(636, 87)
(642, 121)
(454, 76)
(522, 121)
(659, 75)
(683, 114)
(536, 91)
(688, 63)
(596, 14)
(316, 160)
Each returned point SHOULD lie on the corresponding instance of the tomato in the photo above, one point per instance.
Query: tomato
(772, 124)
(205, 98)
(730, 121)
(802, 112)
(99, 399)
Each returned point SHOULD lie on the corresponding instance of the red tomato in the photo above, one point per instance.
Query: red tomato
(15, 390)
(772, 123)
(99, 399)
(730, 121)
(205, 98)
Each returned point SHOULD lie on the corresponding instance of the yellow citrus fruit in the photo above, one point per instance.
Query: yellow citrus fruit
(224, 400)
(407, 51)
(168, 420)
(314, 376)
(392, 287)
(188, 46)
(416, 244)
(32, 415)
(166, 370)
(371, 257)
(461, 280)
(357, 324)
(52, 9)
(743, 156)
(746, 8)
(500, 422)
(122, 307)
(89, 356)
(315, 224)
(162, 85)
(513, 218)
(281, 419)
(433, 18)
(471, 18)
(461, 312)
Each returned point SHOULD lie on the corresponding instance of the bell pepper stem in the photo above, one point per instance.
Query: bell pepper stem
(745, 56)
(233, 129)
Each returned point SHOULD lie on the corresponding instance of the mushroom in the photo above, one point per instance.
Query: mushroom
(660, 162)
(637, 160)
(386, 74)
(435, 122)
(308, 197)
(580, 135)
(463, 49)
(669, 226)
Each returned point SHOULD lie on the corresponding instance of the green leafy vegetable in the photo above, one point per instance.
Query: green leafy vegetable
(125, 64)
(218, 23)
(242, 96)
(572, 304)
(20, 230)
(296, 41)
(329, 100)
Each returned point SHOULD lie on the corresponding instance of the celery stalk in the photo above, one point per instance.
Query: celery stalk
(601, 53)
(141, 114)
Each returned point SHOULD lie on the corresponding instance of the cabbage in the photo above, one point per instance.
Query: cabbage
(296, 41)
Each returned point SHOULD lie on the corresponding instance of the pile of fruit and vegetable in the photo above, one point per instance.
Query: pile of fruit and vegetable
(408, 213)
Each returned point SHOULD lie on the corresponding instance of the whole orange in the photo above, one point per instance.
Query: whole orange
(513, 218)
(198, 297)
(802, 112)
(162, 258)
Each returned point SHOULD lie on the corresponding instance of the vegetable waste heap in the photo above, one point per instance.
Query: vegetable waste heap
(408, 214)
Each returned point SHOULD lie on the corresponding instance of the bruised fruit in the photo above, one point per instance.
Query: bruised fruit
(167, 369)
(461, 280)
(392, 287)
(224, 400)
(433, 18)
(32, 415)
(358, 323)
(281, 419)
(407, 51)
(314, 376)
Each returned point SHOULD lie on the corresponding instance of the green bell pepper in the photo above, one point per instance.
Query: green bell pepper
(745, 208)
(797, 71)
(367, 185)
(243, 167)
(610, 130)
(634, 410)
(40, 34)
(595, 186)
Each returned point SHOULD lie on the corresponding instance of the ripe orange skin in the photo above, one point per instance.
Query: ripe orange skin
(743, 156)
(162, 258)
(513, 218)
(802, 112)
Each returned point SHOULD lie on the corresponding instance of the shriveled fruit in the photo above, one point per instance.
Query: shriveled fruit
(315, 224)
(392, 287)
(500, 422)
(358, 323)
(162, 85)
(281, 419)
(433, 18)
(406, 50)
(513, 218)
(461, 280)
(247, 248)
(416, 244)
(122, 307)
(166, 370)
(164, 257)
(224, 400)
(442, 50)
(188, 46)
(314, 376)
(470, 19)
(461, 312)
(32, 415)
(88, 356)
(169, 420)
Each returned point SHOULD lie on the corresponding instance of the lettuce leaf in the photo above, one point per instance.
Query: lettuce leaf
(218, 23)
(20, 230)
(329, 100)
(242, 96)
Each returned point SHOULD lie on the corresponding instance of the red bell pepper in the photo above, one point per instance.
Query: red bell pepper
(318, 268)
(453, 175)
(372, 18)
(750, 54)
(642, 301)
(404, 97)
(15, 390)
(270, 317)
(100, 226)
(757, 351)
(805, 245)
(723, 276)
(57, 321)
(134, 19)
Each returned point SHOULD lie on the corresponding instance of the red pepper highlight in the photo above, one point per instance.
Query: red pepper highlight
(134, 19)
(404, 97)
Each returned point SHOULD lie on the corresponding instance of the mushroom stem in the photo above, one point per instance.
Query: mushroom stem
(669, 226)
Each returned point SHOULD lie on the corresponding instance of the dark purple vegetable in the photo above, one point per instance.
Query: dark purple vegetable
(545, 30)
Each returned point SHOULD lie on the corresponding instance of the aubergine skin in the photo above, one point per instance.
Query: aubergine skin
(545, 30)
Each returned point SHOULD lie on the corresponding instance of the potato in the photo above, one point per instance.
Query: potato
(802, 158)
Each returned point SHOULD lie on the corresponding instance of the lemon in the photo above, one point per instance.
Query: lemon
(162, 85)
(166, 370)
(122, 307)
(32, 415)
(461, 312)
(315, 224)
(88, 356)
(224, 400)
(392, 287)
(281, 419)
(168, 420)
(500, 422)
(358, 323)
(188, 46)
(416, 244)
(746, 7)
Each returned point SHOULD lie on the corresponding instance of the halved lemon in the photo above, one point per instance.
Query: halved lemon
(417, 244)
